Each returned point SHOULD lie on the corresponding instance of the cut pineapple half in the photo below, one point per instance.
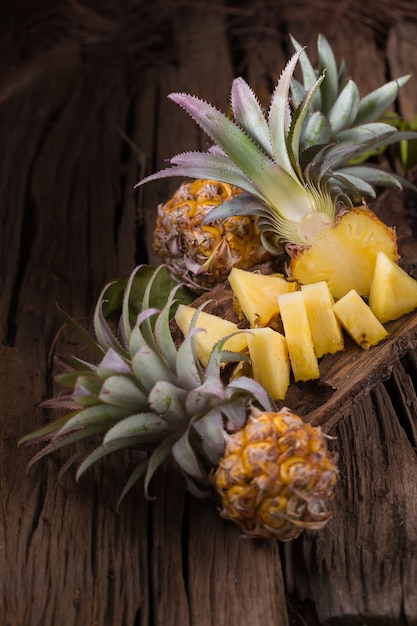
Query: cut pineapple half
(215, 328)
(270, 362)
(345, 256)
(298, 335)
(359, 321)
(325, 328)
(257, 295)
(393, 291)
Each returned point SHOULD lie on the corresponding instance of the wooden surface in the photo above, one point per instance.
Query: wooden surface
(83, 115)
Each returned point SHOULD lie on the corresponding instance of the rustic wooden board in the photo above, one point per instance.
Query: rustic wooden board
(83, 114)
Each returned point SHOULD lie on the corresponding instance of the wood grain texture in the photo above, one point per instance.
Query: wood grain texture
(83, 115)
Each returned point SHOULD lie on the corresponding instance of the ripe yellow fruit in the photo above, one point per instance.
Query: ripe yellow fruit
(325, 328)
(268, 353)
(257, 295)
(298, 335)
(358, 320)
(344, 255)
(393, 291)
(276, 476)
(214, 329)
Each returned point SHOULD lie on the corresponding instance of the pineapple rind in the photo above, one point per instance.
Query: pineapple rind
(270, 362)
(297, 332)
(359, 321)
(393, 291)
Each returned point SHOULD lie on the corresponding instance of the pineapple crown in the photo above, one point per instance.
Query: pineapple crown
(293, 162)
(147, 393)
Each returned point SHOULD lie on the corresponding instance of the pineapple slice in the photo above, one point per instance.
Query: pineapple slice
(325, 328)
(270, 363)
(257, 295)
(215, 329)
(358, 320)
(393, 291)
(298, 335)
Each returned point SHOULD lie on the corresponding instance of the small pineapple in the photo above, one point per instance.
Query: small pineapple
(293, 167)
(276, 476)
(199, 254)
(150, 394)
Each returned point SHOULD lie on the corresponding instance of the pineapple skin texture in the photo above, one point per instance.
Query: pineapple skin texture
(345, 255)
(203, 255)
(276, 476)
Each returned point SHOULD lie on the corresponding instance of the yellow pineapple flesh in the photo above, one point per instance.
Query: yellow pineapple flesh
(358, 320)
(257, 295)
(268, 353)
(345, 255)
(214, 329)
(325, 328)
(298, 335)
(276, 476)
(393, 291)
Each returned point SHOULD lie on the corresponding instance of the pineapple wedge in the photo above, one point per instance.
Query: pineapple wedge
(257, 295)
(358, 320)
(270, 363)
(215, 329)
(298, 335)
(325, 328)
(393, 292)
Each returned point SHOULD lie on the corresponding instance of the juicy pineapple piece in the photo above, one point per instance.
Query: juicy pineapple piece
(393, 291)
(215, 328)
(270, 363)
(358, 320)
(257, 295)
(298, 335)
(325, 328)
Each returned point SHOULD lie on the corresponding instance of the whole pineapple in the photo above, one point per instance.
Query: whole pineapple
(147, 393)
(199, 254)
(293, 166)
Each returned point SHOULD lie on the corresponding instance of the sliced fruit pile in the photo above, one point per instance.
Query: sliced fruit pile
(292, 326)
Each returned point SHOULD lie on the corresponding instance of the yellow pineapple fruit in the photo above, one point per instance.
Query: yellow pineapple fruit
(276, 476)
(298, 335)
(257, 295)
(213, 328)
(199, 254)
(358, 320)
(268, 353)
(325, 329)
(353, 244)
(393, 291)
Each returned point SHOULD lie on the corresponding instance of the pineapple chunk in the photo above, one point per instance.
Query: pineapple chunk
(298, 335)
(270, 363)
(257, 295)
(325, 328)
(393, 291)
(215, 329)
(358, 320)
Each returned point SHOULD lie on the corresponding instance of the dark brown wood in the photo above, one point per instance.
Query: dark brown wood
(83, 115)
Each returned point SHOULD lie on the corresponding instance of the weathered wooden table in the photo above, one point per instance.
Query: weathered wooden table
(83, 115)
